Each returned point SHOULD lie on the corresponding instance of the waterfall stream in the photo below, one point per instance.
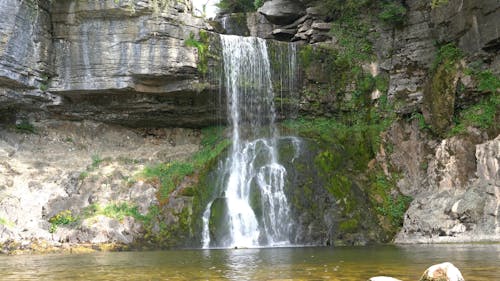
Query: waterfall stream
(253, 210)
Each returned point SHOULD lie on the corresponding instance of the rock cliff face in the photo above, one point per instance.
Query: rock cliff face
(120, 62)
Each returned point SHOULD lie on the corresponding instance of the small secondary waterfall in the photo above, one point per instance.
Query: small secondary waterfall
(255, 207)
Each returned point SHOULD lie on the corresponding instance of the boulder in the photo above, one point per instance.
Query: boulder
(282, 11)
(442, 272)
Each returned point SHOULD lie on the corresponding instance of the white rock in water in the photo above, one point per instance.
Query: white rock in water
(440, 271)
(383, 278)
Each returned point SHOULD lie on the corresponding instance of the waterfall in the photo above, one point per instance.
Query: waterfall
(253, 210)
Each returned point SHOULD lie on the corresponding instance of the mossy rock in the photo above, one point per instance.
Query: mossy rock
(219, 221)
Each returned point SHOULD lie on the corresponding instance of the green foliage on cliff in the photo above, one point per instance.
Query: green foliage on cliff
(170, 175)
(487, 81)
(6, 222)
(480, 115)
(116, 211)
(202, 46)
(239, 6)
(448, 55)
(438, 3)
(393, 13)
(62, 218)
(389, 205)
(25, 127)
(439, 93)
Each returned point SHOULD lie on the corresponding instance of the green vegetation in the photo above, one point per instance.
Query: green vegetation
(6, 222)
(480, 115)
(83, 175)
(422, 125)
(487, 81)
(114, 211)
(96, 161)
(344, 8)
(439, 94)
(448, 55)
(62, 218)
(438, 3)
(25, 127)
(391, 207)
(202, 46)
(169, 175)
(393, 13)
(349, 141)
(239, 6)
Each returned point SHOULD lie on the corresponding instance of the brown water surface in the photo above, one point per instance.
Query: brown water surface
(479, 262)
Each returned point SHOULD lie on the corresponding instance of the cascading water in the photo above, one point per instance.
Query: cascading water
(256, 209)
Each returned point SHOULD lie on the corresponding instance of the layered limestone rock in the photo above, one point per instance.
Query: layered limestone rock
(24, 55)
(115, 61)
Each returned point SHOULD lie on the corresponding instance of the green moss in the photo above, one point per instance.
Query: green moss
(439, 95)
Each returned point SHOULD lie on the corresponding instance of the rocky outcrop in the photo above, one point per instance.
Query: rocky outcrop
(282, 11)
(120, 62)
(25, 55)
(474, 24)
(78, 183)
(457, 206)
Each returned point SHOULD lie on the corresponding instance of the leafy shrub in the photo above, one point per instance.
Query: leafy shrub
(62, 218)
